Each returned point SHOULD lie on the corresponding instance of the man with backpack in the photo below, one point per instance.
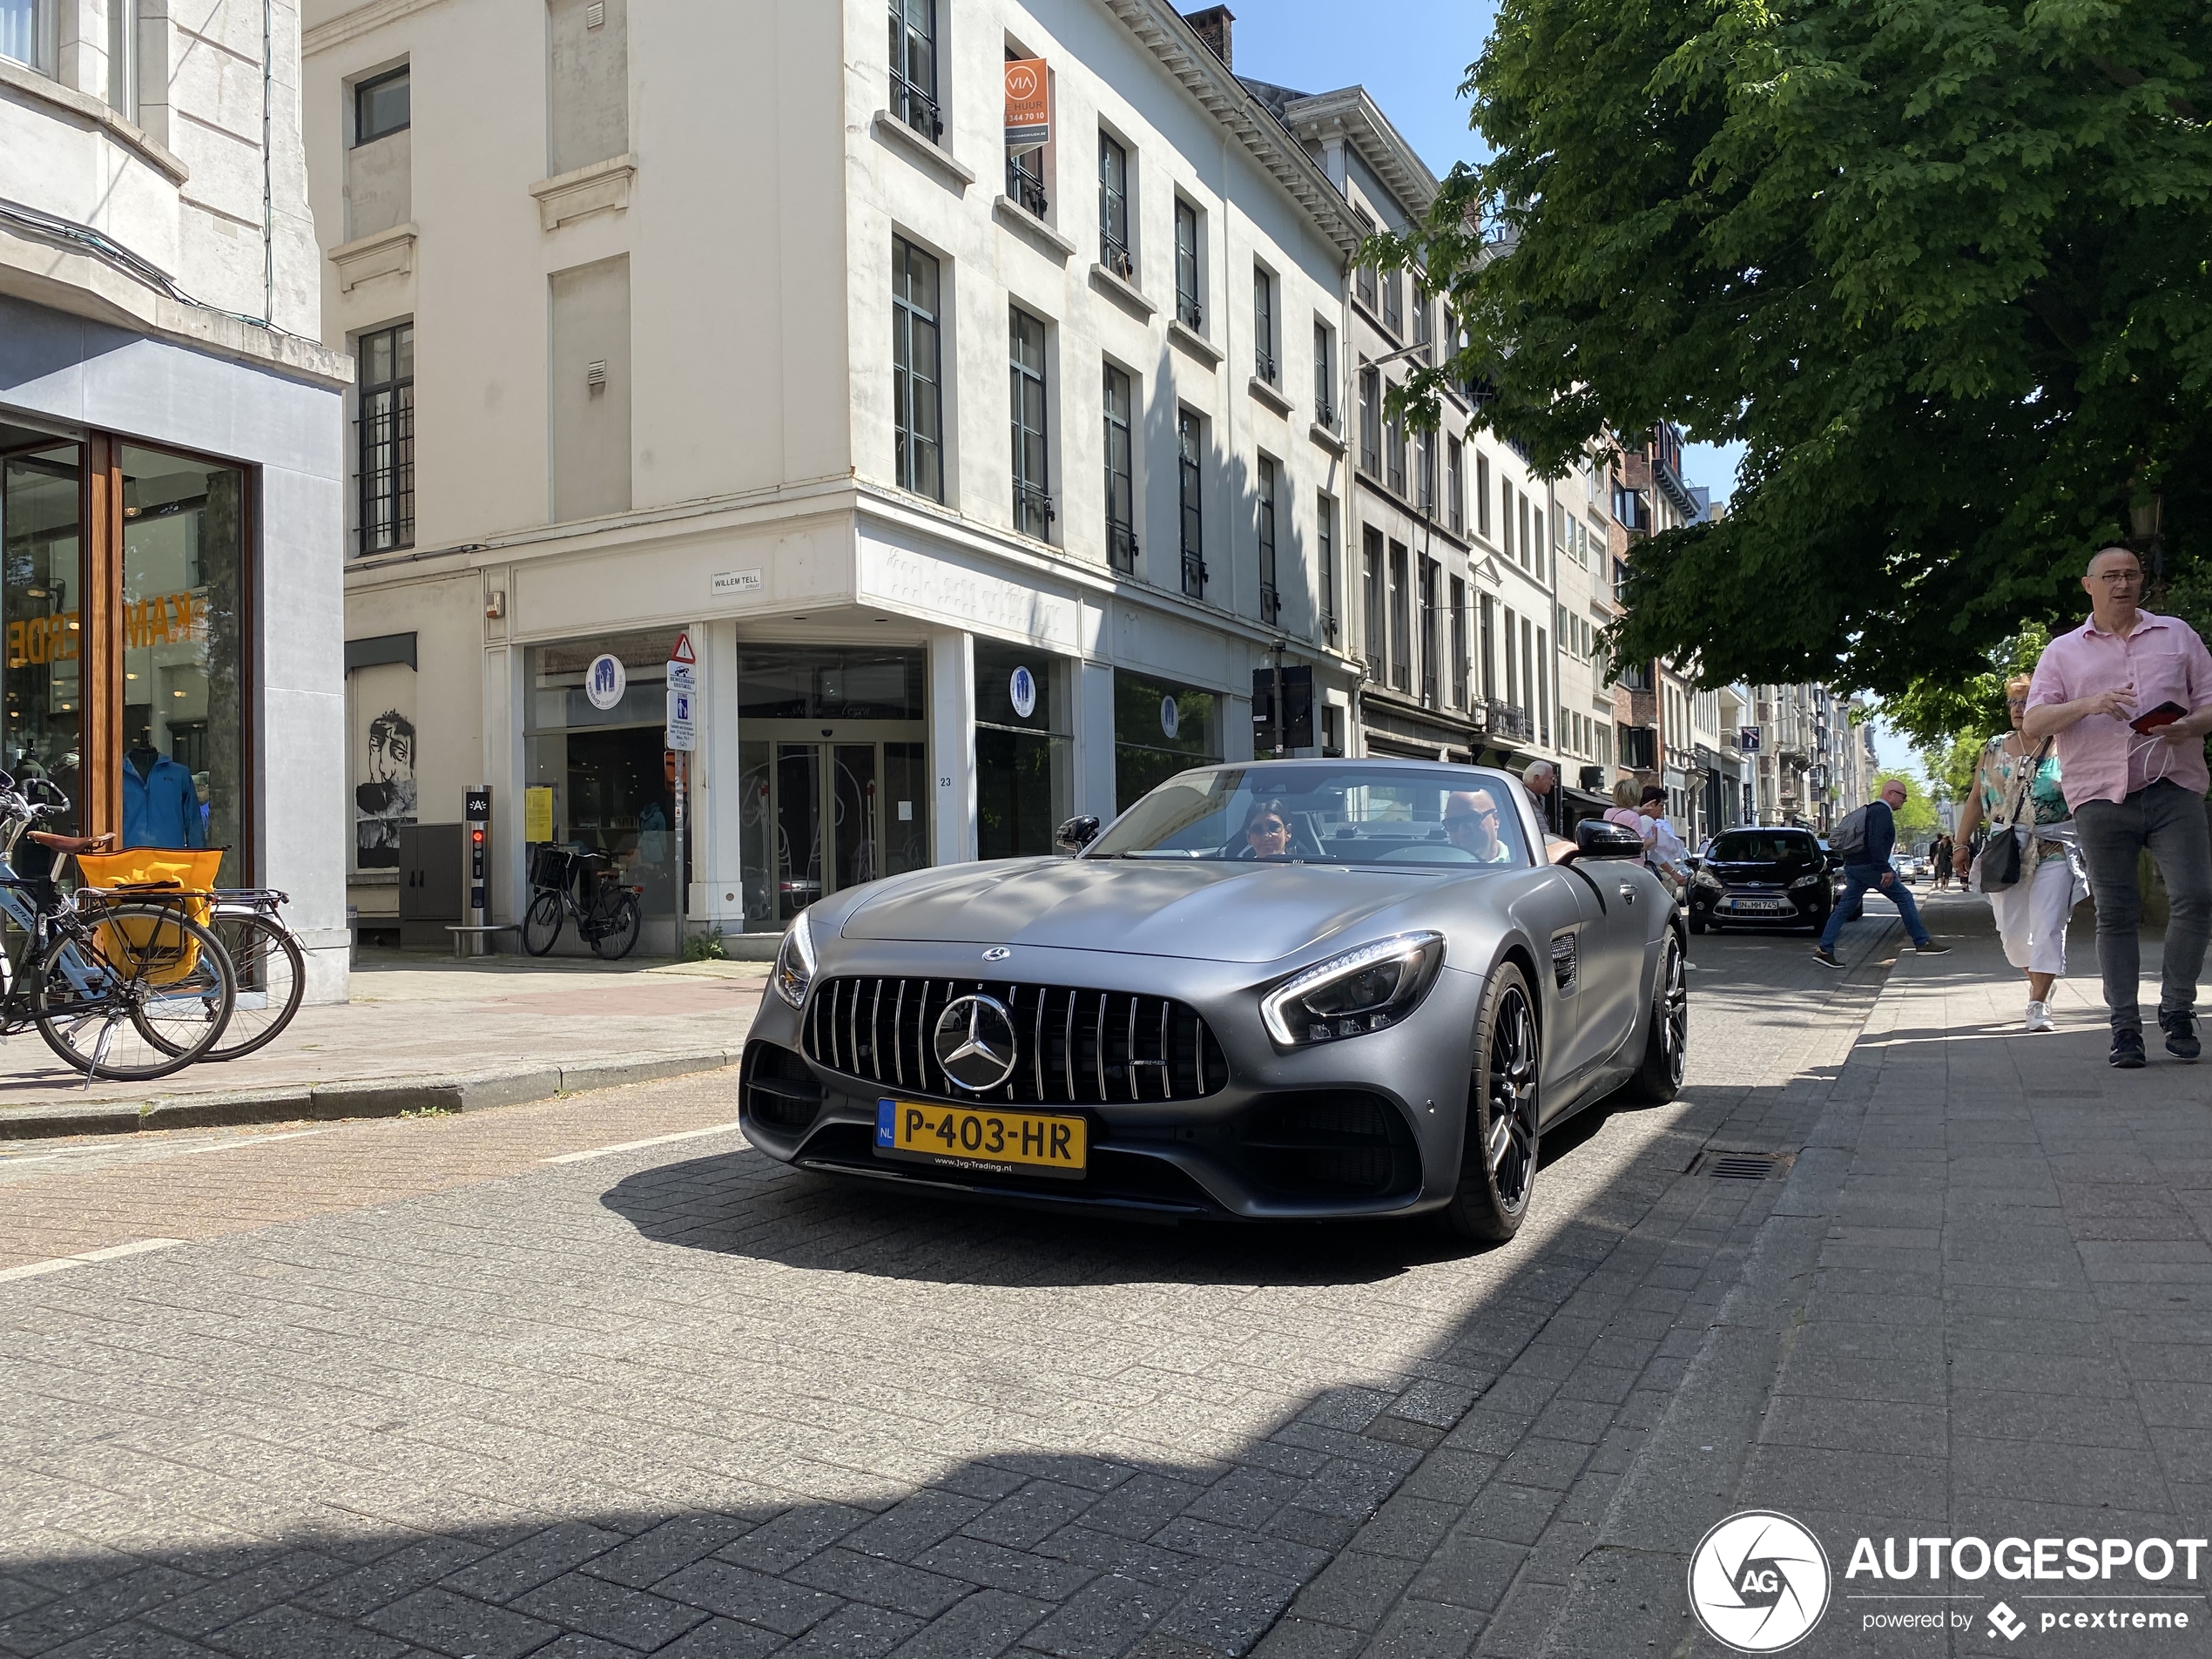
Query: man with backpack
(1865, 838)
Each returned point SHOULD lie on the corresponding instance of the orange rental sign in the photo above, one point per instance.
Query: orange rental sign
(1028, 104)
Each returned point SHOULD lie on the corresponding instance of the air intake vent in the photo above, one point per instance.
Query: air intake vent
(1073, 1047)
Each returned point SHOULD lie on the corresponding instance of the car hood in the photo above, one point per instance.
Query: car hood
(1220, 912)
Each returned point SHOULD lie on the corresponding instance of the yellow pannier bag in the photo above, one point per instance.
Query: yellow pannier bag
(184, 876)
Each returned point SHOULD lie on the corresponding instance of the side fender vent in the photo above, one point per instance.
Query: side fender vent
(1567, 958)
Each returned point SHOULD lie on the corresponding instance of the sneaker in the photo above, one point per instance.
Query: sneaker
(1931, 949)
(1826, 958)
(2127, 1049)
(2180, 1026)
(2039, 1017)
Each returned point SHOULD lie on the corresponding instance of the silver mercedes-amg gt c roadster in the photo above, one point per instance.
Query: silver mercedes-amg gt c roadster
(1295, 988)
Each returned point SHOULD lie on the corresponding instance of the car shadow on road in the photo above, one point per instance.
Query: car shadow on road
(744, 1203)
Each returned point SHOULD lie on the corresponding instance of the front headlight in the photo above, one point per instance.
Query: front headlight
(1706, 879)
(1363, 990)
(794, 969)
(1804, 881)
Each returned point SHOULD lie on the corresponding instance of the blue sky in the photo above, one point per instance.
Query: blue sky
(1411, 54)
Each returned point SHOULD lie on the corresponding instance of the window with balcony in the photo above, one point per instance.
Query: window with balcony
(1487, 615)
(1025, 181)
(1401, 619)
(1187, 306)
(1459, 642)
(1394, 456)
(1189, 443)
(1263, 325)
(1325, 376)
(1112, 209)
(1372, 639)
(1270, 597)
(1033, 508)
(1431, 657)
(913, 66)
(1325, 542)
(1455, 498)
(917, 398)
(1121, 474)
(1423, 339)
(384, 361)
(1370, 420)
(1393, 302)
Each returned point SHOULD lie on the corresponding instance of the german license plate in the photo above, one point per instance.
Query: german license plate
(982, 1138)
(1756, 907)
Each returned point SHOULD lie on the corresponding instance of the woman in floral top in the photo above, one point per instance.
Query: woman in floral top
(2030, 914)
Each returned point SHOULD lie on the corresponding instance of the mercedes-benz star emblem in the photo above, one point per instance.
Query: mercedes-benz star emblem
(974, 1042)
(997, 954)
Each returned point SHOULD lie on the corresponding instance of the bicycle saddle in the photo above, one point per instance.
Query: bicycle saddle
(72, 844)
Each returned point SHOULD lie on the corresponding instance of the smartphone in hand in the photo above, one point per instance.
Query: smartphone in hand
(2151, 720)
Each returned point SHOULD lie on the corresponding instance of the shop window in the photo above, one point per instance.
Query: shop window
(184, 766)
(1160, 729)
(41, 495)
(1023, 742)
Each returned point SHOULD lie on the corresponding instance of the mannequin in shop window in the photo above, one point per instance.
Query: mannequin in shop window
(160, 803)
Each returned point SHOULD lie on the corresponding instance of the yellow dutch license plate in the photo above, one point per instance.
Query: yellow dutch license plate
(982, 1138)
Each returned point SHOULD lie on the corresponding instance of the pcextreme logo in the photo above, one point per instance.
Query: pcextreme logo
(1758, 1582)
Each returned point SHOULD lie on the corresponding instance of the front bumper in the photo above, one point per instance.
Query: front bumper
(1749, 905)
(1367, 1126)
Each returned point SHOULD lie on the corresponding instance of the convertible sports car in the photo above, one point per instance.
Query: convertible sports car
(1288, 989)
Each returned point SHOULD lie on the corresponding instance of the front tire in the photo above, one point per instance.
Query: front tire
(622, 928)
(1498, 1152)
(1666, 1040)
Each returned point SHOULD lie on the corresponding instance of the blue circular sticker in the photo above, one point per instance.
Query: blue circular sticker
(1171, 716)
(1023, 690)
(605, 681)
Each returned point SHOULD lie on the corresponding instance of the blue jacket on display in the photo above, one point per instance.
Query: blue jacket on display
(162, 808)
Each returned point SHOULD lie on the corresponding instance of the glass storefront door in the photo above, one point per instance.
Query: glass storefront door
(819, 818)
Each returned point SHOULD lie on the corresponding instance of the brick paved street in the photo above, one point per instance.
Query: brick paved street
(445, 1386)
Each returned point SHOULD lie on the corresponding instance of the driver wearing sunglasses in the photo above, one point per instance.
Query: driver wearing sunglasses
(1267, 831)
(1471, 824)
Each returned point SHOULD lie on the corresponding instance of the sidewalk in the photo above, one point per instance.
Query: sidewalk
(1979, 1308)
(422, 1031)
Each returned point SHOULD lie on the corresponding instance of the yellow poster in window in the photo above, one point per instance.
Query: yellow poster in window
(537, 813)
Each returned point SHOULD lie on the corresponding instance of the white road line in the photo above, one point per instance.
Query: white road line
(32, 1270)
(632, 1146)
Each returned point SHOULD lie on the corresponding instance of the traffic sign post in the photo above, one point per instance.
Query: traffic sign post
(682, 736)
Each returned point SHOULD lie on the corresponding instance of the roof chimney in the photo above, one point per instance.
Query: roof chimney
(1211, 26)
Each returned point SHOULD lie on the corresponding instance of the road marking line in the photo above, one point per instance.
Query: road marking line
(632, 1146)
(85, 1259)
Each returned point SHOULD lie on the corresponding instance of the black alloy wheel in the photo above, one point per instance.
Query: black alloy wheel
(1498, 1151)
(1666, 1044)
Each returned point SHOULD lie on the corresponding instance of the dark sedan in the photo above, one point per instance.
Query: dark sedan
(1770, 877)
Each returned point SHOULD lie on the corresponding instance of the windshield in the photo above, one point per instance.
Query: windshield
(1346, 813)
(1759, 846)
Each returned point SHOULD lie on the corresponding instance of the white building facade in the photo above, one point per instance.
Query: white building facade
(980, 480)
(171, 444)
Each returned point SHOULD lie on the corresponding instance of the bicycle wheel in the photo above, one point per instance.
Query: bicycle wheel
(271, 975)
(542, 923)
(141, 995)
(621, 926)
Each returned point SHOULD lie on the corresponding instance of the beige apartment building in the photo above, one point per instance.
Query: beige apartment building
(980, 477)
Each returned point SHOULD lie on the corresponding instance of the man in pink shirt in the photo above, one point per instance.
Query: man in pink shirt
(2129, 698)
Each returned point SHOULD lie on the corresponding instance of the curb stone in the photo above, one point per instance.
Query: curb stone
(361, 1097)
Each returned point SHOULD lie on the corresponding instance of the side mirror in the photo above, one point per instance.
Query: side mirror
(1835, 861)
(1596, 839)
(1077, 832)
(1694, 862)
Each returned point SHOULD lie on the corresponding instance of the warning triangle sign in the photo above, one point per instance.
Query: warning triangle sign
(683, 651)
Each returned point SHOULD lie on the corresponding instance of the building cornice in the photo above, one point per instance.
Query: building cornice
(1163, 31)
(1349, 113)
(361, 20)
(31, 87)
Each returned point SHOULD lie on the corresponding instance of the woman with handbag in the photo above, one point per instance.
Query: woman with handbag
(2029, 867)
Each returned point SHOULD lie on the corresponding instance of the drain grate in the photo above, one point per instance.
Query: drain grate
(1741, 1166)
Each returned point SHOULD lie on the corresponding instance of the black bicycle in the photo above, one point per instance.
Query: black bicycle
(586, 889)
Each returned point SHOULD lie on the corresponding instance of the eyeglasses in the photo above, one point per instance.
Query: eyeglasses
(2015, 702)
(2120, 578)
(1265, 827)
(1482, 814)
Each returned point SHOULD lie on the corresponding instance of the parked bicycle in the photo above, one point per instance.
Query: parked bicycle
(586, 889)
(267, 963)
(120, 984)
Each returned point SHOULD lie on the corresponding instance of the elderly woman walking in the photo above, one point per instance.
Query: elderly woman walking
(2016, 795)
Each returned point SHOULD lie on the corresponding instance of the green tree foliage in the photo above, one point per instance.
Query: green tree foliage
(1935, 710)
(1945, 266)
(1916, 820)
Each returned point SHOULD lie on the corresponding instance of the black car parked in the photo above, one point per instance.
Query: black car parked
(1774, 876)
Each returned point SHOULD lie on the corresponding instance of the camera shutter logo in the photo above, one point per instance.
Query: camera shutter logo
(1758, 1582)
